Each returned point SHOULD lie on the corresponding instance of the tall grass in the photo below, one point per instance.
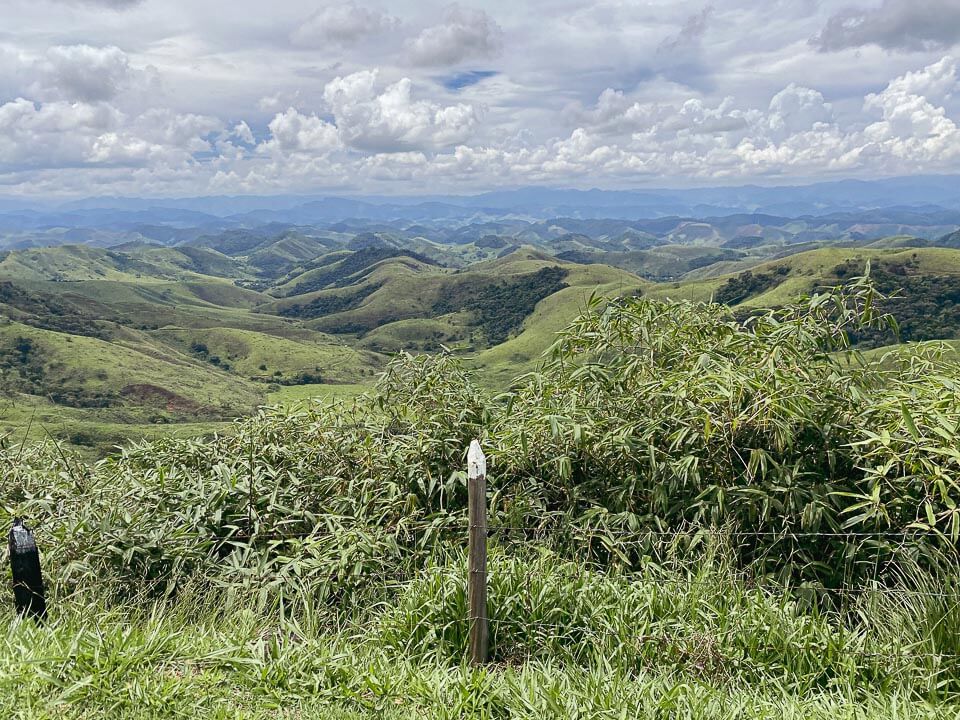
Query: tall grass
(697, 619)
(569, 640)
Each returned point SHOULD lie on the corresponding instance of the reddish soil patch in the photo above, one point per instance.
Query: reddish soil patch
(156, 395)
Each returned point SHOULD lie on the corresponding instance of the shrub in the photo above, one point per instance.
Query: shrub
(647, 418)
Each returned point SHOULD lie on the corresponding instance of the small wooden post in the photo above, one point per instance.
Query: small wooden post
(28, 590)
(477, 580)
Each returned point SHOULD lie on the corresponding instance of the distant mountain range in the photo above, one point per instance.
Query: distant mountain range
(535, 202)
(737, 218)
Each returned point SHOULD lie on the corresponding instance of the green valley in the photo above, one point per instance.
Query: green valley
(142, 339)
(144, 335)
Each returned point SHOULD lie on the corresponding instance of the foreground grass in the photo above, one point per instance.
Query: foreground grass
(568, 641)
(252, 665)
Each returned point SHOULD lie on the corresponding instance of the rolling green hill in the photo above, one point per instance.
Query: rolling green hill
(96, 393)
(497, 365)
(404, 296)
(74, 263)
(281, 359)
(146, 335)
(142, 335)
(665, 262)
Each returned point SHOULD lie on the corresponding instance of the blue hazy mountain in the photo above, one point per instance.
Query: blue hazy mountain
(816, 198)
(891, 206)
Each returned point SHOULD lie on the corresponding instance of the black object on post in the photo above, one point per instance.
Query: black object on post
(27, 579)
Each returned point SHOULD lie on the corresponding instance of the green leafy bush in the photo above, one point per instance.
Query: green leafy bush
(648, 417)
(663, 415)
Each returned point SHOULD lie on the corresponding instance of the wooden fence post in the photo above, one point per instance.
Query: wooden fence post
(28, 590)
(477, 580)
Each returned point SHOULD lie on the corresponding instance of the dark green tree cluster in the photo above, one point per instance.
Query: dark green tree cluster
(22, 367)
(52, 312)
(500, 306)
(925, 305)
(330, 304)
(343, 269)
(749, 284)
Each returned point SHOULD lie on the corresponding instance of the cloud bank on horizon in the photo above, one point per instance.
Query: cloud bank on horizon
(143, 97)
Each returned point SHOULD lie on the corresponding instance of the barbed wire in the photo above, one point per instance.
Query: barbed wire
(718, 532)
(638, 535)
(402, 579)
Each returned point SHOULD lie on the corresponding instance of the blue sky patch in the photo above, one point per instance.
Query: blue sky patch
(460, 80)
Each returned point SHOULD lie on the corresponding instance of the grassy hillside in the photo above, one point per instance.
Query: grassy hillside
(29, 420)
(211, 329)
(144, 337)
(131, 371)
(341, 268)
(273, 358)
(138, 261)
(664, 263)
(269, 252)
(394, 301)
(199, 260)
(678, 527)
(392, 289)
(785, 280)
(74, 263)
(415, 335)
(142, 333)
(807, 271)
(499, 364)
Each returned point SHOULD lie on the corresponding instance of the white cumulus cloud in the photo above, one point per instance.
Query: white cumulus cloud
(83, 72)
(913, 126)
(796, 109)
(341, 25)
(67, 134)
(462, 34)
(294, 132)
(391, 120)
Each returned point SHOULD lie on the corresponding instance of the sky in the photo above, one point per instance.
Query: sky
(219, 97)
